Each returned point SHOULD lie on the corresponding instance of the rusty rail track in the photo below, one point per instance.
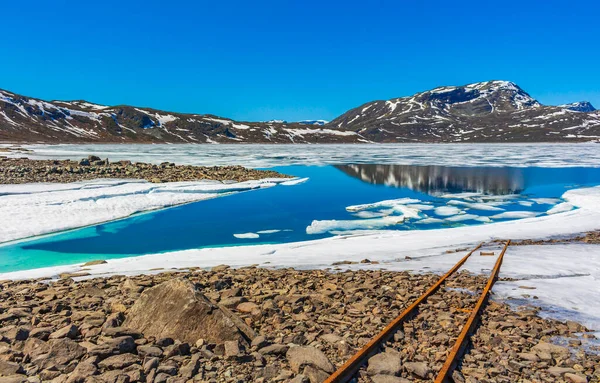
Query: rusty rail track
(347, 371)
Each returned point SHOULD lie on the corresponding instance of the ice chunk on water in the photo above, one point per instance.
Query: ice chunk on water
(366, 214)
(386, 203)
(462, 217)
(489, 206)
(421, 206)
(515, 215)
(428, 221)
(247, 236)
(296, 181)
(446, 211)
(461, 195)
(526, 203)
(324, 226)
(268, 231)
(560, 208)
(407, 212)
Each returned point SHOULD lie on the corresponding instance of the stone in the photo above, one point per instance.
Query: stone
(259, 342)
(220, 268)
(69, 331)
(248, 307)
(10, 368)
(177, 309)
(118, 362)
(149, 351)
(274, 349)
(315, 375)
(232, 348)
(300, 379)
(574, 378)
(62, 352)
(14, 379)
(94, 263)
(419, 369)
(301, 356)
(552, 349)
(560, 371)
(385, 363)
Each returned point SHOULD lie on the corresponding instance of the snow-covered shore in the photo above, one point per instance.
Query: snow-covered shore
(565, 276)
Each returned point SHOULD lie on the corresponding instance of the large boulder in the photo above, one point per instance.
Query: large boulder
(176, 309)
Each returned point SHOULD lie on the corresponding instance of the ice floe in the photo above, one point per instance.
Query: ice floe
(446, 211)
(386, 203)
(462, 217)
(324, 226)
(247, 236)
(489, 206)
(515, 215)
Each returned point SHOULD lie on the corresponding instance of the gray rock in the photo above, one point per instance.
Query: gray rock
(302, 356)
(419, 369)
(69, 331)
(178, 310)
(385, 363)
(388, 379)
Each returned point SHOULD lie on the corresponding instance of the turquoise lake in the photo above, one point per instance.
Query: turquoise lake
(283, 214)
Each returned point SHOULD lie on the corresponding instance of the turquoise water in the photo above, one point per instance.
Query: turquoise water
(282, 214)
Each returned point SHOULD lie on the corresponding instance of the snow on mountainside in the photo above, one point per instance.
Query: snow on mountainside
(491, 111)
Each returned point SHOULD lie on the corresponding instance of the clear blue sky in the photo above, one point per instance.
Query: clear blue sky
(258, 60)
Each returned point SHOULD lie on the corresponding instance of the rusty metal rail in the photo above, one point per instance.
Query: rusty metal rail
(351, 367)
(461, 342)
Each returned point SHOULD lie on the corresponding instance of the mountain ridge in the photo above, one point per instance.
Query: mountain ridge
(490, 111)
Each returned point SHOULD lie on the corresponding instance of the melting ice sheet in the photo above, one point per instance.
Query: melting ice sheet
(260, 156)
(34, 209)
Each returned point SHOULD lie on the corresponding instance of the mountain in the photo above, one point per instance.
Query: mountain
(492, 111)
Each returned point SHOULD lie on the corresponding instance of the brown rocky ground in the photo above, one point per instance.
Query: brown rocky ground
(592, 237)
(302, 325)
(23, 170)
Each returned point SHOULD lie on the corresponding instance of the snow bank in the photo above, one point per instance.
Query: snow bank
(35, 209)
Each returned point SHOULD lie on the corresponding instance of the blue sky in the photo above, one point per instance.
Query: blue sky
(260, 60)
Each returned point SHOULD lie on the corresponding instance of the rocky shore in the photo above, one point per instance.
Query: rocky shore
(23, 170)
(261, 325)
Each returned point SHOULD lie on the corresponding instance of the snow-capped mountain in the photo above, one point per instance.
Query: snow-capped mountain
(492, 111)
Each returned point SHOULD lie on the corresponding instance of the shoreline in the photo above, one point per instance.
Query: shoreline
(25, 171)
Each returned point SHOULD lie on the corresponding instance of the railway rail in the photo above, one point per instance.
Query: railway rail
(350, 371)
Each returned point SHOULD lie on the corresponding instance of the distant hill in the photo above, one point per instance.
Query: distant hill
(492, 111)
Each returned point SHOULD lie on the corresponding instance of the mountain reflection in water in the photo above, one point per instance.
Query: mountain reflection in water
(441, 179)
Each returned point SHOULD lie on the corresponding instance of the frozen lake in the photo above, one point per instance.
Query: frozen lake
(330, 200)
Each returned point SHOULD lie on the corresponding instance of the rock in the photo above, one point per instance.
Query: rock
(70, 331)
(560, 371)
(93, 263)
(332, 338)
(315, 375)
(388, 379)
(83, 371)
(149, 351)
(177, 309)
(232, 348)
(62, 351)
(10, 368)
(35, 347)
(13, 379)
(419, 369)
(190, 370)
(16, 334)
(574, 378)
(274, 349)
(529, 356)
(385, 363)
(121, 331)
(260, 342)
(300, 379)
(552, 349)
(118, 362)
(220, 268)
(248, 307)
(302, 356)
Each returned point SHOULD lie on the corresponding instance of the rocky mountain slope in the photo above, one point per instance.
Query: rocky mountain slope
(492, 111)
